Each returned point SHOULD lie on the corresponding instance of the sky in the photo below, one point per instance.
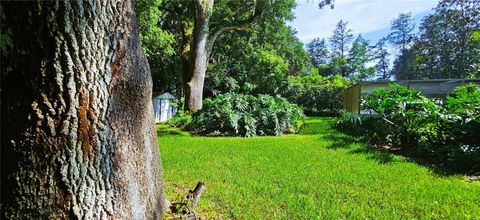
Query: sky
(371, 18)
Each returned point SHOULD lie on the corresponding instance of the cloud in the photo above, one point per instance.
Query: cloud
(363, 16)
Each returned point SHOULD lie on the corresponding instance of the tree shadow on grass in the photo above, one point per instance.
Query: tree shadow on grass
(385, 155)
(380, 156)
(356, 146)
(338, 140)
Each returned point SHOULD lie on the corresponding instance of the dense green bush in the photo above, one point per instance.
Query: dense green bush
(411, 119)
(318, 95)
(180, 120)
(443, 132)
(460, 128)
(371, 128)
(233, 114)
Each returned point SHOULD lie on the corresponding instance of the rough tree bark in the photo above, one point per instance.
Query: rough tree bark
(195, 75)
(77, 135)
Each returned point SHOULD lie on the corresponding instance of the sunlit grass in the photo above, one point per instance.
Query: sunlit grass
(318, 174)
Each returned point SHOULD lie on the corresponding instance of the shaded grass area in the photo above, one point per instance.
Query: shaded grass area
(319, 173)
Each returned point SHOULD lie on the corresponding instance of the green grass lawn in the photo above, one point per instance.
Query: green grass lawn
(318, 174)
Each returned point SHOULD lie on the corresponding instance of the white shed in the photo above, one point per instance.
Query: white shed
(163, 107)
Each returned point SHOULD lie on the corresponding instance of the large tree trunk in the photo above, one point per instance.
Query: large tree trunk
(77, 122)
(195, 75)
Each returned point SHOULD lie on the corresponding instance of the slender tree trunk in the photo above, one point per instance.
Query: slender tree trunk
(195, 75)
(77, 122)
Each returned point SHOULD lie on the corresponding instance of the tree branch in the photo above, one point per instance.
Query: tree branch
(241, 25)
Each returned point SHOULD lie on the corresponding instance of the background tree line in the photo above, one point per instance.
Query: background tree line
(342, 54)
(446, 45)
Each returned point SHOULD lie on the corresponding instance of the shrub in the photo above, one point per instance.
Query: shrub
(446, 134)
(180, 120)
(371, 128)
(410, 120)
(464, 102)
(233, 114)
(318, 95)
(460, 129)
(350, 123)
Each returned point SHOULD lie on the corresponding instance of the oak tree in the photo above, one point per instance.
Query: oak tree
(78, 137)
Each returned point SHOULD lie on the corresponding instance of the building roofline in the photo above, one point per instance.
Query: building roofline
(415, 81)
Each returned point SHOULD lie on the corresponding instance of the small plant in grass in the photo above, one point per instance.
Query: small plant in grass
(233, 114)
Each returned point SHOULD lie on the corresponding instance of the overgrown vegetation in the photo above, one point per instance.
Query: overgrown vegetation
(319, 173)
(233, 114)
(318, 95)
(444, 133)
(180, 120)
